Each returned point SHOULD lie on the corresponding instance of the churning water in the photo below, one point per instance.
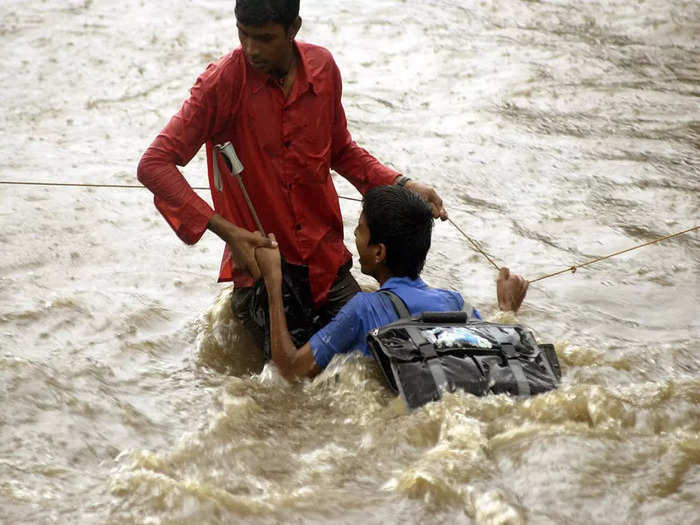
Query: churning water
(555, 130)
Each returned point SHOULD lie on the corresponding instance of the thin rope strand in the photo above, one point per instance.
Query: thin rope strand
(74, 185)
(128, 186)
(573, 269)
(474, 243)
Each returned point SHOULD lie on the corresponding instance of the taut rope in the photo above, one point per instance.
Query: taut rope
(476, 246)
(575, 267)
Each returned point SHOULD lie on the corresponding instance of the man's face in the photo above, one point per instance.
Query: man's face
(367, 255)
(266, 47)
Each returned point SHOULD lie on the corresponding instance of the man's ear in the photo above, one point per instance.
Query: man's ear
(294, 28)
(380, 252)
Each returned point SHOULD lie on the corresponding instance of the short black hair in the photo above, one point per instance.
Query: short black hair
(402, 221)
(260, 12)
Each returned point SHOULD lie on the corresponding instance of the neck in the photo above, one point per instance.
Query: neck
(382, 276)
(280, 74)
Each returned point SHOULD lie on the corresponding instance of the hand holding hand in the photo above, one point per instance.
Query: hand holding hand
(511, 289)
(243, 250)
(431, 197)
(241, 242)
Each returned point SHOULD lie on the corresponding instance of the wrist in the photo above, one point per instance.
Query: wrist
(225, 229)
(217, 224)
(402, 180)
(505, 306)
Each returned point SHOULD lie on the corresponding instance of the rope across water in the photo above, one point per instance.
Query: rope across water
(573, 269)
(476, 246)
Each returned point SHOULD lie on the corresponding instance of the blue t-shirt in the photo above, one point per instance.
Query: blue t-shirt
(369, 310)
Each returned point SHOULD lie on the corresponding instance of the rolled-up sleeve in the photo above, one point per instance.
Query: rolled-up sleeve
(342, 335)
(186, 212)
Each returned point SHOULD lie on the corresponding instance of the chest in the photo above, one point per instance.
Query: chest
(302, 121)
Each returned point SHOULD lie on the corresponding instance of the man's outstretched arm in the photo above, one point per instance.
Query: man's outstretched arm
(293, 363)
(510, 289)
(361, 168)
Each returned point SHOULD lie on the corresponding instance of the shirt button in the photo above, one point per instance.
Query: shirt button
(291, 185)
(287, 143)
(298, 227)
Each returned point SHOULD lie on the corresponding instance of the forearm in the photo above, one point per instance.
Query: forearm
(362, 169)
(281, 345)
(185, 211)
(226, 230)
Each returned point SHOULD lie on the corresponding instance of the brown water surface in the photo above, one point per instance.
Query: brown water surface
(556, 131)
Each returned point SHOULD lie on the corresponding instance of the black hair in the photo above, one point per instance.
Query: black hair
(260, 12)
(403, 222)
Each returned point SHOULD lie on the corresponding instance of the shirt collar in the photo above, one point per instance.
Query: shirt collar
(307, 73)
(310, 66)
(398, 282)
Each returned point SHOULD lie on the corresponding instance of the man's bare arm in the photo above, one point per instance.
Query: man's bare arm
(293, 363)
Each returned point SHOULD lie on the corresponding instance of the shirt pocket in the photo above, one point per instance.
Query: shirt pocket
(316, 144)
(313, 140)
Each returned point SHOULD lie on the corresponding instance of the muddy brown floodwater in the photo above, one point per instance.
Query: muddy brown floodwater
(556, 131)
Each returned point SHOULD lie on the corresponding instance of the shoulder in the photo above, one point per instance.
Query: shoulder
(364, 311)
(224, 70)
(360, 303)
(222, 81)
(449, 295)
(318, 60)
(456, 298)
(451, 299)
(318, 54)
(418, 296)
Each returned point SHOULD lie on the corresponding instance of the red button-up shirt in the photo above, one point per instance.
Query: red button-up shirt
(287, 147)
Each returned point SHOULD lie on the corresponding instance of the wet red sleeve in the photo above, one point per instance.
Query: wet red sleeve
(350, 160)
(186, 212)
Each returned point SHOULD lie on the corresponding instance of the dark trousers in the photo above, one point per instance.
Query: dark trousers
(343, 289)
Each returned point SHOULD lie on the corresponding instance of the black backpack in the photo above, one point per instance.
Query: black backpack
(424, 355)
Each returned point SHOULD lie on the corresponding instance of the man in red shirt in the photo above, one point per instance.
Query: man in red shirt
(278, 101)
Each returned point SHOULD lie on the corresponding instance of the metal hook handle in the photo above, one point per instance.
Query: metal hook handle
(229, 153)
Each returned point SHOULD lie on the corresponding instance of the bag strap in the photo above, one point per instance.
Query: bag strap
(399, 305)
(512, 358)
(430, 356)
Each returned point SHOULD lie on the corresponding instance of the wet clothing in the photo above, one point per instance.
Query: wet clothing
(287, 147)
(257, 323)
(367, 311)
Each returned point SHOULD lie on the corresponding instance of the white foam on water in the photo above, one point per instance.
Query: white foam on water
(555, 132)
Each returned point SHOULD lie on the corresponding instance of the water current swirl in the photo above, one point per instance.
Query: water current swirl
(555, 130)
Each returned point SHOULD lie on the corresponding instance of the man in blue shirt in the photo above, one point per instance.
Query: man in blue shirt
(392, 238)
